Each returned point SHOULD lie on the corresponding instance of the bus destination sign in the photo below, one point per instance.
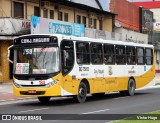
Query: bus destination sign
(33, 40)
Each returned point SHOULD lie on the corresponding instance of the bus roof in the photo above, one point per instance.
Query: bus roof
(114, 42)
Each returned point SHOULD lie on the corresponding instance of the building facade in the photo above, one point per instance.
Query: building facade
(15, 21)
(154, 35)
(128, 21)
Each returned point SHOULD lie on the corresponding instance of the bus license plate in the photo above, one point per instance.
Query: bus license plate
(32, 91)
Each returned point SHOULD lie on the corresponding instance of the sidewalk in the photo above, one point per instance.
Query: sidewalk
(6, 92)
(6, 87)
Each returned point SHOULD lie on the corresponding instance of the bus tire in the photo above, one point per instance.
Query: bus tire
(44, 99)
(131, 87)
(82, 93)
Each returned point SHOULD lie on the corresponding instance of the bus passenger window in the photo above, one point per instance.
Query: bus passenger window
(140, 55)
(149, 56)
(82, 52)
(109, 54)
(67, 56)
(96, 53)
(120, 55)
(130, 53)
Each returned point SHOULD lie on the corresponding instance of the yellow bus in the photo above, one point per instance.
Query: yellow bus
(48, 66)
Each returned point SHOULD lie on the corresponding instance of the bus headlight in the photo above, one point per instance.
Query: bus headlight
(52, 83)
(17, 85)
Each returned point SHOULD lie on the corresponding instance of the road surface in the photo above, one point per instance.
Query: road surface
(147, 100)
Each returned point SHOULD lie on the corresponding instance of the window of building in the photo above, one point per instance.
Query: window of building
(84, 20)
(36, 11)
(140, 55)
(83, 54)
(109, 54)
(90, 23)
(120, 54)
(51, 14)
(95, 23)
(149, 56)
(96, 53)
(45, 13)
(100, 25)
(78, 19)
(66, 17)
(60, 16)
(67, 56)
(18, 10)
(131, 55)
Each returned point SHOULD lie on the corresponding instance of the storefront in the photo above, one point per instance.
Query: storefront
(5, 66)
(11, 29)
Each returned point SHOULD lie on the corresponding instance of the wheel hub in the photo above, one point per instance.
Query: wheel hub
(81, 92)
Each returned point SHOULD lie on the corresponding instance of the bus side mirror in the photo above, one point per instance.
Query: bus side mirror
(9, 50)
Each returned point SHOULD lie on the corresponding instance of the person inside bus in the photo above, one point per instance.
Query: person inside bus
(79, 59)
(97, 59)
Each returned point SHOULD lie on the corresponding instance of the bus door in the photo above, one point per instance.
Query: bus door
(67, 62)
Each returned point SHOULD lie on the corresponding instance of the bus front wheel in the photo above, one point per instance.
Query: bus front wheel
(44, 99)
(82, 93)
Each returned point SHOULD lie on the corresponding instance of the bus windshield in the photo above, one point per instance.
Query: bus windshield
(36, 60)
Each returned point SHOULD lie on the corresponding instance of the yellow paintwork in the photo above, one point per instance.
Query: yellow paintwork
(97, 85)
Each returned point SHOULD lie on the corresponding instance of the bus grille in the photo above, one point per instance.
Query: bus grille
(30, 86)
(37, 93)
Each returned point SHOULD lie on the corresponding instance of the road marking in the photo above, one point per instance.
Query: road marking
(33, 110)
(96, 111)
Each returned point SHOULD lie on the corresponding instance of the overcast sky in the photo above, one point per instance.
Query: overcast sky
(105, 4)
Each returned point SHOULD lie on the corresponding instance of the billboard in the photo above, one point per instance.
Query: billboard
(12, 26)
(49, 26)
(146, 20)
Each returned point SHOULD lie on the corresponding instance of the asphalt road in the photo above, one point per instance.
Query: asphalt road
(100, 109)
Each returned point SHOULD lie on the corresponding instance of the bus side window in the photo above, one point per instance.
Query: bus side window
(82, 52)
(131, 55)
(109, 54)
(149, 56)
(140, 55)
(96, 53)
(67, 56)
(120, 54)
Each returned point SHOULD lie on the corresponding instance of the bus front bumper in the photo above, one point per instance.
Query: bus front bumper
(54, 90)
